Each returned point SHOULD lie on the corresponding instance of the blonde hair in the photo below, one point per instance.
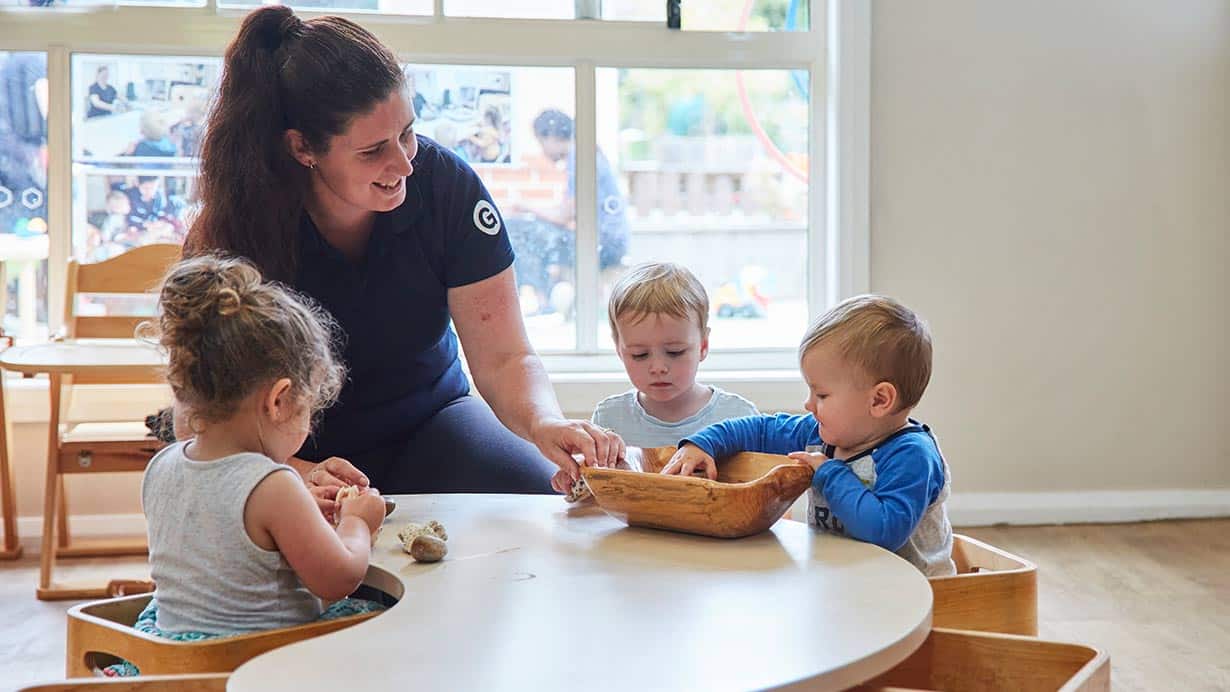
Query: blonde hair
(884, 338)
(153, 124)
(226, 332)
(657, 288)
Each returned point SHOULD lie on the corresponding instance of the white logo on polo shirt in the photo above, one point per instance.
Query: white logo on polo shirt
(485, 218)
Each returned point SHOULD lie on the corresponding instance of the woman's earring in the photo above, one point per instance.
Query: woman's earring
(312, 165)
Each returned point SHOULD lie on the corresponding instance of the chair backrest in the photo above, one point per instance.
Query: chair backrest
(957, 661)
(135, 272)
(992, 591)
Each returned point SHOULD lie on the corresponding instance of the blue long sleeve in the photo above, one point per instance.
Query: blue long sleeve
(781, 433)
(909, 476)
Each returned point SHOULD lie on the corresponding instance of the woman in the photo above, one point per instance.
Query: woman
(311, 169)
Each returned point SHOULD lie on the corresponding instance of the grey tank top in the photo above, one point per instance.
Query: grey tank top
(209, 575)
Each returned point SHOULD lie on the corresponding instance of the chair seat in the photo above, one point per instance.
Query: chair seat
(105, 432)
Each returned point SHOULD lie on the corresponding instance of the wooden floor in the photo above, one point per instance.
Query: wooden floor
(1155, 595)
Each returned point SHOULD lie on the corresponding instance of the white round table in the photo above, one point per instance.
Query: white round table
(538, 595)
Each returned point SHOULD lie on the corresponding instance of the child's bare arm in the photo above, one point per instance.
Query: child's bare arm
(282, 514)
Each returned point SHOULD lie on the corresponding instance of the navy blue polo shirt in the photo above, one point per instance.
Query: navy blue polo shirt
(400, 348)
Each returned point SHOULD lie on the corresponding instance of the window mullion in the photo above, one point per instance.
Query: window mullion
(847, 107)
(59, 180)
(586, 167)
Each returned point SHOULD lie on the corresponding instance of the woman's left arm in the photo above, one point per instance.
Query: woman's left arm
(511, 379)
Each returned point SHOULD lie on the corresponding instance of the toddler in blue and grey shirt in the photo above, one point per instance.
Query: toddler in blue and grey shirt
(879, 475)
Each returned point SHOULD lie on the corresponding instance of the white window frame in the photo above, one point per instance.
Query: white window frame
(835, 51)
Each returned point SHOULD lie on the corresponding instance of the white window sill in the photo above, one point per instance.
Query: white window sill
(578, 392)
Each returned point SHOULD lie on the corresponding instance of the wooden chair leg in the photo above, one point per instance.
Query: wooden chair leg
(62, 535)
(62, 516)
(50, 494)
(8, 504)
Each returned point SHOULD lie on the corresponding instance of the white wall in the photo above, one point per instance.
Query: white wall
(1049, 188)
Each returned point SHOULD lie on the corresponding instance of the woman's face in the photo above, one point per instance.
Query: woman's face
(366, 166)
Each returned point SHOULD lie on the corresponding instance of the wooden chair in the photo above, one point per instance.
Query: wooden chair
(993, 591)
(101, 633)
(96, 447)
(210, 682)
(956, 661)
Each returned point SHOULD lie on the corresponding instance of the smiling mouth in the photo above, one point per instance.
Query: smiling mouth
(390, 187)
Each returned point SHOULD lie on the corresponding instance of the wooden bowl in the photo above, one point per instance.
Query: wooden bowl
(752, 491)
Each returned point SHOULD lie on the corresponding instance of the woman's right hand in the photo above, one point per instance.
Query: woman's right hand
(329, 476)
(688, 459)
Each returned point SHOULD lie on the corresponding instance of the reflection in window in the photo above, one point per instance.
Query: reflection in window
(23, 193)
(421, 7)
(491, 117)
(715, 166)
(138, 123)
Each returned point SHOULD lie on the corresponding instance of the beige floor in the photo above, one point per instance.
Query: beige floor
(1155, 595)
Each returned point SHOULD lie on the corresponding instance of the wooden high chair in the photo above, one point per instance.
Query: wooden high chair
(101, 633)
(97, 447)
(992, 591)
(958, 661)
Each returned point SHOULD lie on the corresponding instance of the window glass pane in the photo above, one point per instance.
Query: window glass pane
(423, 7)
(161, 3)
(23, 193)
(486, 115)
(137, 129)
(138, 123)
(709, 15)
(713, 167)
(56, 3)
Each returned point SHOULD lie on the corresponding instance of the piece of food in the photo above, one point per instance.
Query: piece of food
(424, 542)
(579, 491)
(345, 494)
(348, 492)
(427, 548)
(433, 528)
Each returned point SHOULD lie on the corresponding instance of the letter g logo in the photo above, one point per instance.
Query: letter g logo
(485, 218)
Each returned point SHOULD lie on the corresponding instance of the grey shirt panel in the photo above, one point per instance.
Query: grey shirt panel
(624, 414)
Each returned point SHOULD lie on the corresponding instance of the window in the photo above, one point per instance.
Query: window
(729, 146)
(137, 128)
(715, 167)
(711, 15)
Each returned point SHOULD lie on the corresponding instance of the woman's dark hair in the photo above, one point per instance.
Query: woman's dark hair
(553, 123)
(280, 73)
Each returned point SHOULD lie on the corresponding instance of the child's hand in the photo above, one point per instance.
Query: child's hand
(688, 459)
(367, 505)
(812, 459)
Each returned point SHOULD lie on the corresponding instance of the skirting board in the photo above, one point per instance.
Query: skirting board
(964, 509)
(87, 525)
(1085, 507)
